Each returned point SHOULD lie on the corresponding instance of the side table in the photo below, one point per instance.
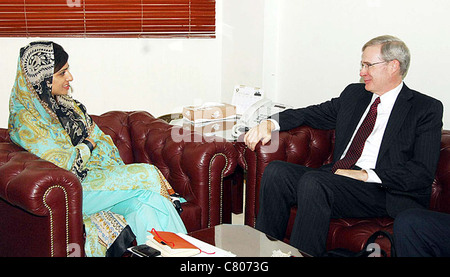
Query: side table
(221, 129)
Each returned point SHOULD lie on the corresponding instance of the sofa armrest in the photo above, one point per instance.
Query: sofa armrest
(49, 197)
(194, 165)
(303, 145)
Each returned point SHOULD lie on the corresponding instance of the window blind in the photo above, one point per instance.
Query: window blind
(107, 18)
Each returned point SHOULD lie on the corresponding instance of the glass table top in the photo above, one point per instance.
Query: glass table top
(245, 241)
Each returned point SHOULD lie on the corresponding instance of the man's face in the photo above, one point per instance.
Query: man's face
(375, 71)
(61, 81)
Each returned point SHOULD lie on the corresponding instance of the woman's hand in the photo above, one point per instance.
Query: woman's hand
(92, 141)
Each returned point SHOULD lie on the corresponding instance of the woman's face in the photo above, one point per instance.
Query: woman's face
(61, 81)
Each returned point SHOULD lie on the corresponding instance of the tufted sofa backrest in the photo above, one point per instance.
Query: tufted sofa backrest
(116, 125)
(440, 195)
(4, 136)
(313, 148)
(319, 151)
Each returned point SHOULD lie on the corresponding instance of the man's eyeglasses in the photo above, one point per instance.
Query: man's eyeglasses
(369, 65)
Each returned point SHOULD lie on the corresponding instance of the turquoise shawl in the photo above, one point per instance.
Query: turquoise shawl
(106, 180)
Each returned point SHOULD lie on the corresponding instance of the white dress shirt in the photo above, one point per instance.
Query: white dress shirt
(368, 158)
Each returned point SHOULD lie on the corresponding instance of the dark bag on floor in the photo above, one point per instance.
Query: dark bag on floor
(368, 250)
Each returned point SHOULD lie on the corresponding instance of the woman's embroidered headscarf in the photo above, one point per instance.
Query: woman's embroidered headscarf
(51, 127)
(37, 61)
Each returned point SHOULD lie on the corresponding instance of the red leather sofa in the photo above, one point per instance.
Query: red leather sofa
(311, 147)
(41, 204)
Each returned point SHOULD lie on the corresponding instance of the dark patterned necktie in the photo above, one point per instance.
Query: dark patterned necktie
(357, 145)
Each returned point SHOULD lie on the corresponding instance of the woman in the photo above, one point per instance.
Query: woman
(47, 121)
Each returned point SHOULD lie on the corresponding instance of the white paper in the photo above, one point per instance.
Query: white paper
(244, 97)
(207, 250)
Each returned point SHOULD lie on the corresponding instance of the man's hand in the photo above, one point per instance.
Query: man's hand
(355, 174)
(261, 132)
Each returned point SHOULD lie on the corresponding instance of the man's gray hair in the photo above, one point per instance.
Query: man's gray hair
(392, 49)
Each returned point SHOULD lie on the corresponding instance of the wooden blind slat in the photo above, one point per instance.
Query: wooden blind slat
(91, 18)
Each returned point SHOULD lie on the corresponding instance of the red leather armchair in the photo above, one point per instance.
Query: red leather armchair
(41, 204)
(307, 146)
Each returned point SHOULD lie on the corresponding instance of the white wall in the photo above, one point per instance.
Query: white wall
(319, 45)
(130, 74)
(242, 45)
(300, 51)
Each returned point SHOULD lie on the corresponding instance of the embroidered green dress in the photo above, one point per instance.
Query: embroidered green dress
(113, 193)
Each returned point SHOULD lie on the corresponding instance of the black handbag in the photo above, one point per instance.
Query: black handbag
(369, 250)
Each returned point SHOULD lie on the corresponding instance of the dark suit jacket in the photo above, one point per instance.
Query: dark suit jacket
(409, 151)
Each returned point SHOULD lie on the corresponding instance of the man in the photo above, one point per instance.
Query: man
(382, 164)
